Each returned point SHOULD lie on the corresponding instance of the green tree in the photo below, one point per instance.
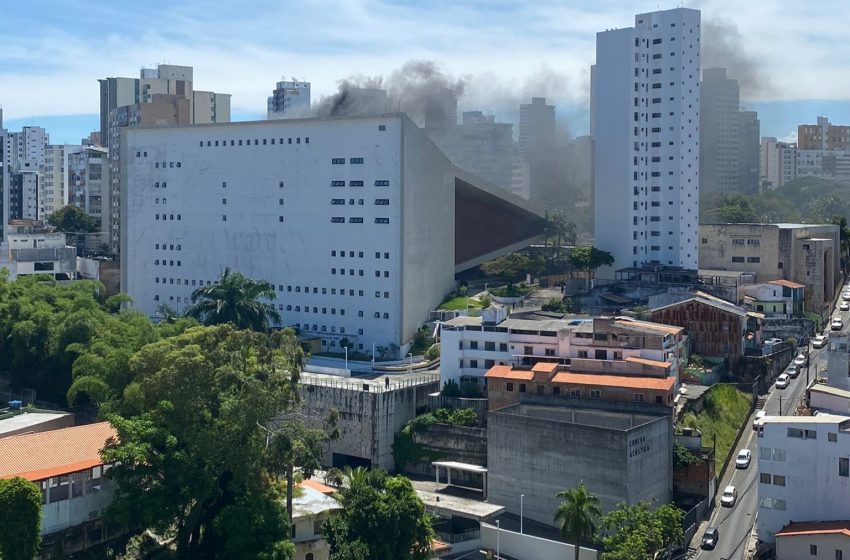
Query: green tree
(577, 515)
(235, 299)
(292, 445)
(20, 519)
(588, 259)
(72, 219)
(191, 440)
(383, 519)
(513, 267)
(844, 235)
(637, 532)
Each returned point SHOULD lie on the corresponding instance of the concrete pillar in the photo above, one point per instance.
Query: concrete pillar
(437, 472)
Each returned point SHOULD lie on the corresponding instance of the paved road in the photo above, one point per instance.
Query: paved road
(736, 523)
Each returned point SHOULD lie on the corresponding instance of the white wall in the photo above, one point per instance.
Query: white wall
(813, 489)
(799, 546)
(527, 547)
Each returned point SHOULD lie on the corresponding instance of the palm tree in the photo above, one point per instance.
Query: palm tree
(577, 514)
(236, 299)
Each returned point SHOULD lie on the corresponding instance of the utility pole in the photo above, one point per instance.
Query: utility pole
(780, 405)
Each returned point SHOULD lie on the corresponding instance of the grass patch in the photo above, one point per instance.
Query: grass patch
(724, 411)
(459, 303)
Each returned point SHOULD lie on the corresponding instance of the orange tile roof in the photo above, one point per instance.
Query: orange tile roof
(786, 283)
(815, 528)
(317, 486)
(57, 452)
(620, 381)
(545, 367)
(646, 362)
(438, 547)
(507, 372)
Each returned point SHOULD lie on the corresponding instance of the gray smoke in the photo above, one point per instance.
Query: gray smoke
(723, 46)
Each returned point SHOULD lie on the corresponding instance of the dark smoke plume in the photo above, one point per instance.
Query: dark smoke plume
(723, 46)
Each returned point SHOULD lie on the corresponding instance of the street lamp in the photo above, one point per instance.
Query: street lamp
(521, 496)
(346, 357)
(498, 538)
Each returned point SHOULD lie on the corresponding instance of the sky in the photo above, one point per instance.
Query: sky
(792, 58)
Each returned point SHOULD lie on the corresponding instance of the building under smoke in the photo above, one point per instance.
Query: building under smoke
(289, 100)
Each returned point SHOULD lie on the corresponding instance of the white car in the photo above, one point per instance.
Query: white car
(819, 341)
(845, 306)
(800, 360)
(729, 497)
(758, 420)
(845, 296)
(792, 371)
(836, 324)
(743, 459)
(782, 381)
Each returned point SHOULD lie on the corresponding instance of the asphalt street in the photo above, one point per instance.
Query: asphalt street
(736, 523)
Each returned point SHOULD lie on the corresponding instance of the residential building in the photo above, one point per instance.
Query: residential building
(359, 223)
(645, 88)
(440, 108)
(23, 195)
(823, 136)
(16, 422)
(312, 505)
(371, 410)
(828, 399)
(53, 178)
(93, 139)
(621, 452)
(776, 298)
(807, 254)
(838, 361)
(714, 327)
(88, 183)
(804, 471)
(825, 540)
(470, 346)
(26, 148)
(537, 149)
(164, 79)
(729, 138)
(507, 384)
(777, 163)
(66, 465)
(33, 251)
(479, 145)
(290, 99)
(5, 164)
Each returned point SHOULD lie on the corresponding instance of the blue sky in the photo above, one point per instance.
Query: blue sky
(792, 56)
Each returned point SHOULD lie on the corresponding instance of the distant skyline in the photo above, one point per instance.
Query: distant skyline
(792, 58)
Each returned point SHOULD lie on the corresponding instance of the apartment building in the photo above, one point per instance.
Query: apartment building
(823, 136)
(290, 99)
(359, 223)
(645, 88)
(803, 471)
(470, 346)
(807, 254)
(777, 163)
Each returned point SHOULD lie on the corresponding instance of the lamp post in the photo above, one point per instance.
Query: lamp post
(498, 538)
(346, 358)
(521, 496)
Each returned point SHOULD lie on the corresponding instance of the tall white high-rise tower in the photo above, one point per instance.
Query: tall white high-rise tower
(645, 121)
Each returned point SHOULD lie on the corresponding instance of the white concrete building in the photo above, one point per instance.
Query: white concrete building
(777, 163)
(470, 346)
(312, 506)
(4, 179)
(356, 221)
(804, 471)
(88, 181)
(26, 253)
(289, 100)
(52, 185)
(645, 120)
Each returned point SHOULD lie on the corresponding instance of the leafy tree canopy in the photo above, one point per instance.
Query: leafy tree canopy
(588, 259)
(577, 514)
(383, 519)
(637, 532)
(235, 299)
(20, 519)
(72, 219)
(513, 267)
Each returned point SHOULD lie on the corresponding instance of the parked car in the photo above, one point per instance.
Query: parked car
(845, 306)
(710, 538)
(782, 381)
(792, 371)
(800, 360)
(819, 341)
(845, 296)
(773, 341)
(743, 459)
(758, 420)
(729, 497)
(837, 324)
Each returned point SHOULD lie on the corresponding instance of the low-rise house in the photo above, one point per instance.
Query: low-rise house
(827, 540)
(29, 421)
(311, 506)
(66, 465)
(777, 298)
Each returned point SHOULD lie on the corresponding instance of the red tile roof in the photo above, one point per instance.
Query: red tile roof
(816, 528)
(786, 283)
(317, 486)
(619, 381)
(57, 452)
(545, 367)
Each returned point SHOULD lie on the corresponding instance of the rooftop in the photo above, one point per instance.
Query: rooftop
(450, 501)
(376, 383)
(311, 502)
(318, 486)
(20, 422)
(702, 297)
(824, 388)
(617, 381)
(815, 528)
(819, 419)
(786, 283)
(568, 413)
(57, 452)
(648, 362)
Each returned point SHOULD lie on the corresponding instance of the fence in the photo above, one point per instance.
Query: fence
(370, 385)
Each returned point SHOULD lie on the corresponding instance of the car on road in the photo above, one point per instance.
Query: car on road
(742, 461)
(819, 341)
(710, 538)
(836, 324)
(782, 381)
(729, 497)
(792, 371)
(800, 360)
(758, 420)
(845, 296)
(845, 306)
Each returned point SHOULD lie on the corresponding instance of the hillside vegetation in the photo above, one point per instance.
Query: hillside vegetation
(724, 410)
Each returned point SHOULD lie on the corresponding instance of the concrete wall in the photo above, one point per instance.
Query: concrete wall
(799, 546)
(527, 547)
(453, 443)
(542, 455)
